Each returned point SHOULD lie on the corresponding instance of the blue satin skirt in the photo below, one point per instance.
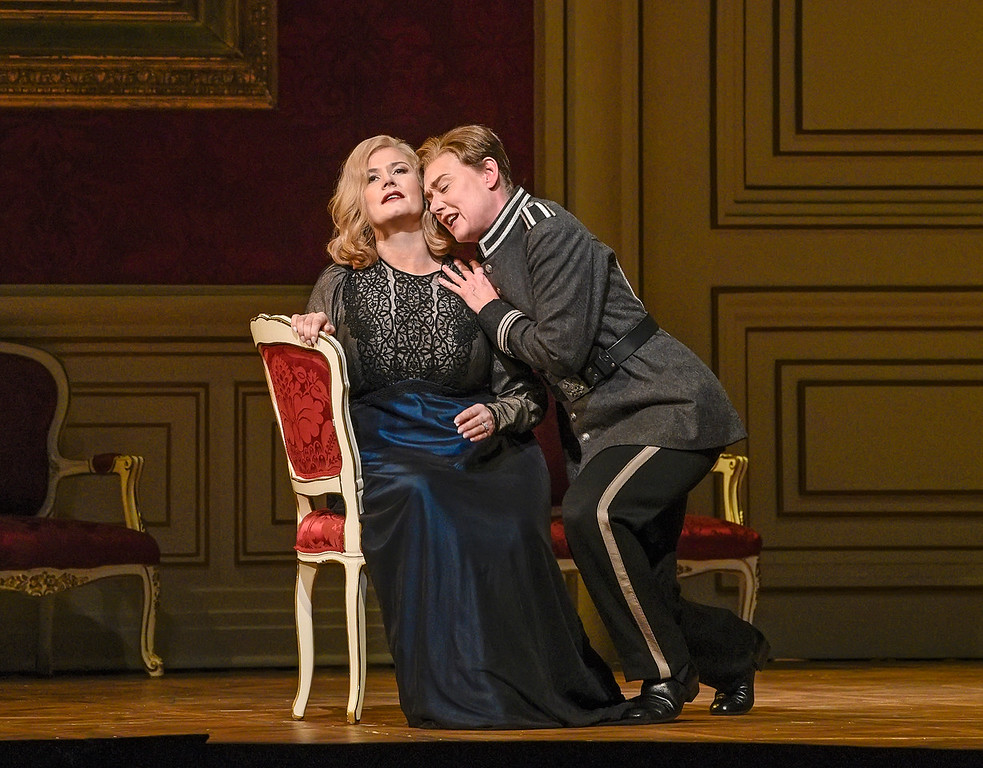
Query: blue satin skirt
(456, 536)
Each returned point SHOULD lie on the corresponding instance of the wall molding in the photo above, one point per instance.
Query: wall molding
(811, 368)
(778, 163)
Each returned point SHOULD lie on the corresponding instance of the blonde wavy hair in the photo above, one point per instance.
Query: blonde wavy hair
(470, 144)
(353, 241)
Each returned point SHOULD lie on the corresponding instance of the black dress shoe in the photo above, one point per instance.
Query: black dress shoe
(739, 698)
(737, 701)
(661, 701)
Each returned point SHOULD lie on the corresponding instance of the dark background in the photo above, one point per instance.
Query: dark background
(186, 196)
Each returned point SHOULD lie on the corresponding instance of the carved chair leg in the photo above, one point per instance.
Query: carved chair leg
(355, 586)
(151, 601)
(303, 615)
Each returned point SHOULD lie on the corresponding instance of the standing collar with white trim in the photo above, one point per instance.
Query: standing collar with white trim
(503, 223)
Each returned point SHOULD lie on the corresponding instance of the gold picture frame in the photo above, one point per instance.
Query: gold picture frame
(138, 53)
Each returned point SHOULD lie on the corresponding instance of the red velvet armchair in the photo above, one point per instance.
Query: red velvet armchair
(41, 554)
(707, 543)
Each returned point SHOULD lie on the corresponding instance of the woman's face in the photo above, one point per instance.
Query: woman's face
(461, 196)
(392, 189)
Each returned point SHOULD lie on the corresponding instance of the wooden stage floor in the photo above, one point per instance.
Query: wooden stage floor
(932, 710)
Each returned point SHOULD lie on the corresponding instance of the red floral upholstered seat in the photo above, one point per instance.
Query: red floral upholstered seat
(309, 390)
(710, 538)
(323, 530)
(707, 543)
(40, 553)
(703, 538)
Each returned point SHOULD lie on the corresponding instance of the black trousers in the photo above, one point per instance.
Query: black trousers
(623, 515)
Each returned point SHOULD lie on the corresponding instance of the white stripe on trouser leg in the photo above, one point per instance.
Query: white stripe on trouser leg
(614, 554)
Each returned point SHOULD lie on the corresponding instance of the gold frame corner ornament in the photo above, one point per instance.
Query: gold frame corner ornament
(206, 54)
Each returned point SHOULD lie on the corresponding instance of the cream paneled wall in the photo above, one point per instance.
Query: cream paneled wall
(809, 191)
(848, 113)
(863, 408)
(171, 374)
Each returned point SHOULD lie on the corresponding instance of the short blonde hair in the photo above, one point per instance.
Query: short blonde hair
(470, 144)
(353, 241)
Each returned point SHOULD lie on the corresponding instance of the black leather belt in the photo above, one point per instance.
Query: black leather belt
(604, 362)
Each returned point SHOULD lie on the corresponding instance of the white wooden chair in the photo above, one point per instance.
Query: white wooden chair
(309, 389)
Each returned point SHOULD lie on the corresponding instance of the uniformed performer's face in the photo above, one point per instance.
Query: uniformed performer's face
(461, 196)
(392, 190)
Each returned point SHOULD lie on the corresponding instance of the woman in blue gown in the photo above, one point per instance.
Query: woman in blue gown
(455, 527)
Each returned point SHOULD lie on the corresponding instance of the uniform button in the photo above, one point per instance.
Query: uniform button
(488, 268)
(573, 417)
(584, 437)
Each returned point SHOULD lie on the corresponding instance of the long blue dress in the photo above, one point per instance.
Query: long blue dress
(456, 534)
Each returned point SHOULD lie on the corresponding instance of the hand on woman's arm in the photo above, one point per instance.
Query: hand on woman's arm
(308, 326)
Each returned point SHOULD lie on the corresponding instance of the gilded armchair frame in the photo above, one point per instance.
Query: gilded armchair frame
(44, 581)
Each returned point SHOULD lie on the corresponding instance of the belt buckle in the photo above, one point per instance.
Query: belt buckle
(573, 387)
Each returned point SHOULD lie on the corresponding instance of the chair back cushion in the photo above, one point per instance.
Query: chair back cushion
(31, 542)
(301, 381)
(28, 399)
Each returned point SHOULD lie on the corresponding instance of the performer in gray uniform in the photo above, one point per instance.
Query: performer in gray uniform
(646, 418)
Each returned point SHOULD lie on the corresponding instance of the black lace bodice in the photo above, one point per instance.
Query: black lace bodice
(408, 326)
(397, 327)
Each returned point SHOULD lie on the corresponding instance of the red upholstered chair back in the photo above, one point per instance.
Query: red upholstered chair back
(301, 383)
(29, 413)
(309, 390)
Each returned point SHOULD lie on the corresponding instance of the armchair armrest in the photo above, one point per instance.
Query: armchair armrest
(128, 468)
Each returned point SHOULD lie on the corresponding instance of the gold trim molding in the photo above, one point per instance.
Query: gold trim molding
(39, 584)
(205, 54)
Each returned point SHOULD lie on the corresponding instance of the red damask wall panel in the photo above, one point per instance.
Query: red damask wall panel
(238, 196)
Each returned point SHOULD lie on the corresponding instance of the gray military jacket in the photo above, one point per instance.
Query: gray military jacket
(563, 293)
